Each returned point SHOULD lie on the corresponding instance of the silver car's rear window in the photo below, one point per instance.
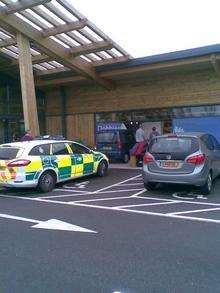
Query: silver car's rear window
(8, 153)
(176, 145)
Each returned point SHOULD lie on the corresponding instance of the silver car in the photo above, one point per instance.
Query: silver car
(186, 158)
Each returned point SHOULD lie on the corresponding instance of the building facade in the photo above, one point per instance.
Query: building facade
(158, 98)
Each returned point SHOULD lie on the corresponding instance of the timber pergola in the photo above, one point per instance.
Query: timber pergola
(51, 36)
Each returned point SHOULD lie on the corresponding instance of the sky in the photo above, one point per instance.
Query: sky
(150, 27)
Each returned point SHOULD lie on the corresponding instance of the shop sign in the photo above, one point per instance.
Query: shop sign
(209, 125)
(110, 126)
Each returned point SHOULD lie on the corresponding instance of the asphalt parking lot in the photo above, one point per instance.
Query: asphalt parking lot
(110, 235)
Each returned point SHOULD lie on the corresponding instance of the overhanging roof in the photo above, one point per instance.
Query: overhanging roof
(202, 57)
(62, 39)
(171, 56)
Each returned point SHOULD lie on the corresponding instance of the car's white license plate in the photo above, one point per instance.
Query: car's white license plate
(169, 164)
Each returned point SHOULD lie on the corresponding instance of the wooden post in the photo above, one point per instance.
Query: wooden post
(27, 85)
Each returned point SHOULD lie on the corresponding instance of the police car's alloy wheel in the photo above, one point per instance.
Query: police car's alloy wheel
(102, 169)
(46, 182)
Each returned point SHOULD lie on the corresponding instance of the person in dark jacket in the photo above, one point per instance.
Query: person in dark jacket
(27, 136)
(153, 133)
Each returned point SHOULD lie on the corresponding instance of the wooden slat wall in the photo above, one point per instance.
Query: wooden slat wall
(81, 127)
(53, 106)
(179, 89)
(202, 87)
(53, 125)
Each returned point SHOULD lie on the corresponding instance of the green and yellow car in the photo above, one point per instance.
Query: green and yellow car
(43, 163)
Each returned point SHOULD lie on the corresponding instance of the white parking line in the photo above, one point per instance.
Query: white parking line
(148, 213)
(116, 184)
(131, 184)
(91, 193)
(102, 190)
(69, 190)
(65, 195)
(189, 218)
(101, 199)
(154, 198)
(119, 190)
(183, 201)
(194, 211)
(137, 193)
(146, 204)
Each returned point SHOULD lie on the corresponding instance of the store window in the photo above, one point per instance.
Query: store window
(104, 117)
(164, 116)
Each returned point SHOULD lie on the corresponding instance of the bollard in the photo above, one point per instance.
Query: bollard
(133, 161)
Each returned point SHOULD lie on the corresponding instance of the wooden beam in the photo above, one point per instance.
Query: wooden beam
(27, 86)
(67, 5)
(20, 5)
(94, 64)
(90, 48)
(41, 58)
(66, 19)
(110, 61)
(129, 70)
(8, 42)
(35, 60)
(75, 25)
(52, 71)
(60, 81)
(53, 49)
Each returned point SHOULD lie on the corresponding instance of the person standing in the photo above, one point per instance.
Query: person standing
(27, 136)
(141, 141)
(153, 133)
(140, 134)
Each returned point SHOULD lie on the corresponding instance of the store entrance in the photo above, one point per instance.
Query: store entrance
(11, 129)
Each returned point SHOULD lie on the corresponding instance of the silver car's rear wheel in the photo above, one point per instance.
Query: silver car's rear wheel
(207, 187)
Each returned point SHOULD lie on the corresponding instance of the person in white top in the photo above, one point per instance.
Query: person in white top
(140, 135)
(141, 140)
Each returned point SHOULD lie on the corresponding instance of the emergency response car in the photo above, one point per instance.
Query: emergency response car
(42, 164)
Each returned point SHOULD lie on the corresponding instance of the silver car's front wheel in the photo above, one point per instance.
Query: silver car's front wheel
(207, 187)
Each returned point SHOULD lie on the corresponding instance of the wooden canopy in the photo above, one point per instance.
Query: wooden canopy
(61, 39)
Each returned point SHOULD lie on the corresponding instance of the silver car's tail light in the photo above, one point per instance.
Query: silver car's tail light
(196, 160)
(19, 163)
(148, 158)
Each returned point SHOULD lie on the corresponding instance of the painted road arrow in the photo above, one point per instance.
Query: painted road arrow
(51, 224)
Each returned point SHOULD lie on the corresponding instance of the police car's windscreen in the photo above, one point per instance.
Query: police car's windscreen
(178, 147)
(107, 137)
(8, 153)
